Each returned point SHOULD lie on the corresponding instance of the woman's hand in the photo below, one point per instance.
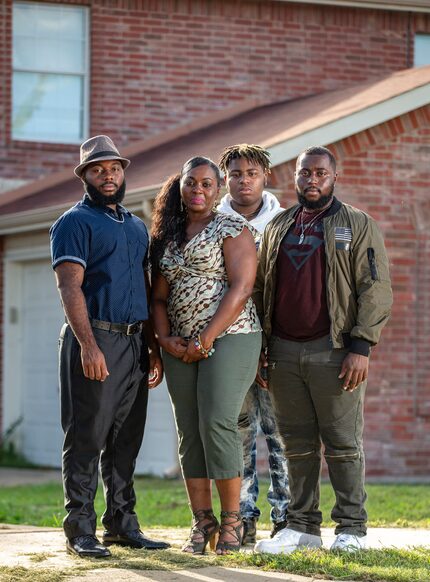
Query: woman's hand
(191, 354)
(174, 345)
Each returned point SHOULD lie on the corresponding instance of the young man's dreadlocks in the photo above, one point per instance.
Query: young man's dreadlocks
(253, 153)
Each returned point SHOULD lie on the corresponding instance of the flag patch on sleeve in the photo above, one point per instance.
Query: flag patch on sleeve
(343, 237)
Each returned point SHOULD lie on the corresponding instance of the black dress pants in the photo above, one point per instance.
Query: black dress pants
(102, 422)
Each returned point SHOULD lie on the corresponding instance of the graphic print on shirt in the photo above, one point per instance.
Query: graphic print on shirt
(300, 253)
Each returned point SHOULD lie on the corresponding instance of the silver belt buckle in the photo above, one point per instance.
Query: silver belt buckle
(130, 328)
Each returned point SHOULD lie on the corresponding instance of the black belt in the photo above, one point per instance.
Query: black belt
(126, 328)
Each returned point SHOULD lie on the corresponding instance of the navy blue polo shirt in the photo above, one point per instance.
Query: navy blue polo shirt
(112, 248)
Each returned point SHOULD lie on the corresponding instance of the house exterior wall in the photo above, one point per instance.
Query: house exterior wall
(2, 428)
(157, 64)
(384, 171)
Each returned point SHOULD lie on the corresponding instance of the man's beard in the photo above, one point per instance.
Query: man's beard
(315, 204)
(103, 200)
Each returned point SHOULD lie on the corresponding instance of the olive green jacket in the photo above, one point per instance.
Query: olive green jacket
(358, 286)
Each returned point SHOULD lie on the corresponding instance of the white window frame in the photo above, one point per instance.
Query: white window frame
(85, 75)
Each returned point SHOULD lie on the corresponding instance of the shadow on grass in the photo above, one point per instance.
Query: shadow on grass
(366, 566)
(123, 558)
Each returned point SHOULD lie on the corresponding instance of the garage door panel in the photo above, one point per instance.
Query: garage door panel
(41, 318)
(41, 321)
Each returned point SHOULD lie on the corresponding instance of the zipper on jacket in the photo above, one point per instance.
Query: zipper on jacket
(328, 268)
(372, 263)
(271, 270)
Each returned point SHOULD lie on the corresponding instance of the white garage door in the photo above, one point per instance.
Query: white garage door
(41, 318)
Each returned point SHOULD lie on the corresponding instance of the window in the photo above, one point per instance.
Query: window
(50, 72)
(422, 50)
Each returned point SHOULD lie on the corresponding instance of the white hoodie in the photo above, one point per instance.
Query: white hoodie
(269, 210)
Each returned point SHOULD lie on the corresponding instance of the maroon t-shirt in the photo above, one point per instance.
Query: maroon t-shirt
(300, 311)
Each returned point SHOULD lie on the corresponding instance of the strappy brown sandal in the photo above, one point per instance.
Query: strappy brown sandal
(202, 533)
(232, 526)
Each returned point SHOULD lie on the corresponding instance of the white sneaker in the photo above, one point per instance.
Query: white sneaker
(349, 543)
(287, 541)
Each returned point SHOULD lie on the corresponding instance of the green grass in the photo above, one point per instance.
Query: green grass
(367, 566)
(163, 503)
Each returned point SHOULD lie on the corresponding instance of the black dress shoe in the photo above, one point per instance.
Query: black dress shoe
(133, 539)
(87, 547)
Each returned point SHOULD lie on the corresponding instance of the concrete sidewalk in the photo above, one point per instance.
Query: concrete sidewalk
(11, 476)
(33, 547)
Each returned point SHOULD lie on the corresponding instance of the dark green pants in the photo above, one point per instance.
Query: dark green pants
(207, 397)
(310, 407)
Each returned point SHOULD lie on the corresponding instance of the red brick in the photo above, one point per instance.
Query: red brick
(173, 61)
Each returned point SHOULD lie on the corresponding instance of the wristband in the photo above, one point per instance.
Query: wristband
(198, 345)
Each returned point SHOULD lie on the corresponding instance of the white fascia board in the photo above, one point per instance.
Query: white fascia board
(43, 218)
(400, 5)
(350, 124)
(29, 253)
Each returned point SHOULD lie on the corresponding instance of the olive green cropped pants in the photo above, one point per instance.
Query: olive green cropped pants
(207, 397)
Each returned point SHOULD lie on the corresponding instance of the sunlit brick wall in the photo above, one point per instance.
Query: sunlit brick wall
(384, 171)
(158, 64)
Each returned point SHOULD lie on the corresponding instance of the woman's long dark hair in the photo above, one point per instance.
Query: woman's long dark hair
(169, 216)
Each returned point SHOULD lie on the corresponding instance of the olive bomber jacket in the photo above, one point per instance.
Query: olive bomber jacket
(358, 285)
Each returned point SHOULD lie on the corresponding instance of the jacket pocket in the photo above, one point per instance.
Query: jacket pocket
(372, 264)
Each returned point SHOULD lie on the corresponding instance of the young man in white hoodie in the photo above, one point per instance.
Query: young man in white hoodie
(246, 168)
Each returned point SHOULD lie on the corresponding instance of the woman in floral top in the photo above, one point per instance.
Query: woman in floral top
(204, 266)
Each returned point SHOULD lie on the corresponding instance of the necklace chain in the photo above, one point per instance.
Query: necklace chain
(308, 225)
(254, 213)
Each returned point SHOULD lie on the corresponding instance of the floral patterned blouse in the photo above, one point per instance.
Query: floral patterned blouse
(197, 279)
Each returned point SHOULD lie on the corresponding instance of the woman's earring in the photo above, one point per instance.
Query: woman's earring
(182, 206)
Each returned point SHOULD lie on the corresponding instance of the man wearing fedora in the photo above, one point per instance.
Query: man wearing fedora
(108, 353)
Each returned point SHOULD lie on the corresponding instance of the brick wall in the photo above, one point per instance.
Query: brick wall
(157, 64)
(384, 171)
(2, 428)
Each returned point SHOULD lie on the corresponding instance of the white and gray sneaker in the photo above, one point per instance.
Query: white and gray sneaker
(349, 543)
(287, 541)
